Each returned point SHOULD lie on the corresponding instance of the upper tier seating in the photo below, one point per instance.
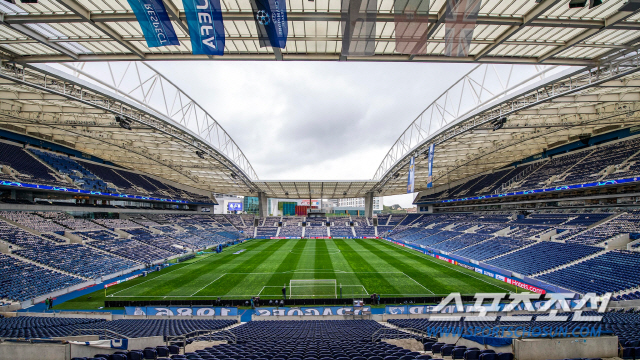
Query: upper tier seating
(542, 256)
(82, 177)
(30, 170)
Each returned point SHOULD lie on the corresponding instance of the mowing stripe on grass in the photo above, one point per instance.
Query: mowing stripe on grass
(343, 272)
(253, 284)
(177, 273)
(187, 282)
(323, 266)
(227, 283)
(373, 282)
(381, 260)
(450, 277)
(291, 262)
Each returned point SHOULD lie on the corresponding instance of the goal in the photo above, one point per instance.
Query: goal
(313, 288)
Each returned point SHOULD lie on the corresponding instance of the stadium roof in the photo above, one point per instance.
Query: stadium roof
(326, 189)
(507, 31)
(565, 107)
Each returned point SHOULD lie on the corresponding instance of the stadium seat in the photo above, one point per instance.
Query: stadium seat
(472, 355)
(458, 353)
(505, 356)
(488, 356)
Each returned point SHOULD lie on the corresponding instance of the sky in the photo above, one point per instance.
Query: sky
(314, 120)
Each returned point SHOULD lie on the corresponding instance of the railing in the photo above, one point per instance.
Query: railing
(203, 335)
(399, 333)
(103, 333)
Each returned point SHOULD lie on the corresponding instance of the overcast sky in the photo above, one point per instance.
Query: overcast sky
(314, 120)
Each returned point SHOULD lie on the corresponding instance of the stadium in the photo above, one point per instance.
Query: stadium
(133, 226)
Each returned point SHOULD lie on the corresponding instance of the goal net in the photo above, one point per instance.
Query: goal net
(313, 288)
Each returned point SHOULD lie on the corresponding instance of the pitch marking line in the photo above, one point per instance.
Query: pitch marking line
(157, 277)
(419, 283)
(452, 268)
(218, 278)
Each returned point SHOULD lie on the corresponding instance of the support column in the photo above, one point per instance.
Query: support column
(368, 204)
(263, 210)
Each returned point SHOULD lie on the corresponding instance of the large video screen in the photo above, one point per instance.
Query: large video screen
(235, 206)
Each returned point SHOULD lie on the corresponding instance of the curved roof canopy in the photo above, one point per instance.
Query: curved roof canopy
(513, 31)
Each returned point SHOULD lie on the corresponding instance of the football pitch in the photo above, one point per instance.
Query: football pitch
(354, 268)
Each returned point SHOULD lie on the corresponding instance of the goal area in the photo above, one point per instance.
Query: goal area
(313, 288)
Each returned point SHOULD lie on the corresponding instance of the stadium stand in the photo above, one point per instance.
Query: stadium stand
(315, 231)
(610, 272)
(32, 221)
(290, 231)
(21, 281)
(341, 231)
(27, 168)
(543, 256)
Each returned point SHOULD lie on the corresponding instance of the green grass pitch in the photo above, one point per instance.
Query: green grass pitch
(361, 267)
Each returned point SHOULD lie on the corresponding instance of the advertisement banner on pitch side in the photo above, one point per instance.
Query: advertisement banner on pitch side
(180, 311)
(311, 311)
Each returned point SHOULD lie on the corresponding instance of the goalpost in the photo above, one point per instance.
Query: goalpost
(313, 288)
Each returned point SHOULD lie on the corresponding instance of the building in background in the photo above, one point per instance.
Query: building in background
(251, 205)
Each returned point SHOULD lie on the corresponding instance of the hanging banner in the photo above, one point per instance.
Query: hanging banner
(271, 20)
(411, 19)
(432, 149)
(411, 177)
(358, 19)
(460, 21)
(155, 23)
(206, 29)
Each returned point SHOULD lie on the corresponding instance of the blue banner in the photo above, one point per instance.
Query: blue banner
(271, 21)
(180, 311)
(155, 23)
(432, 149)
(311, 311)
(411, 177)
(205, 26)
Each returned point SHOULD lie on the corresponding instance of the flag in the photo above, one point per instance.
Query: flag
(205, 26)
(432, 149)
(411, 19)
(460, 21)
(155, 23)
(411, 178)
(271, 20)
(358, 19)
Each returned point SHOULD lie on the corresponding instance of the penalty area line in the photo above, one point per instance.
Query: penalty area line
(209, 284)
(418, 283)
(159, 276)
